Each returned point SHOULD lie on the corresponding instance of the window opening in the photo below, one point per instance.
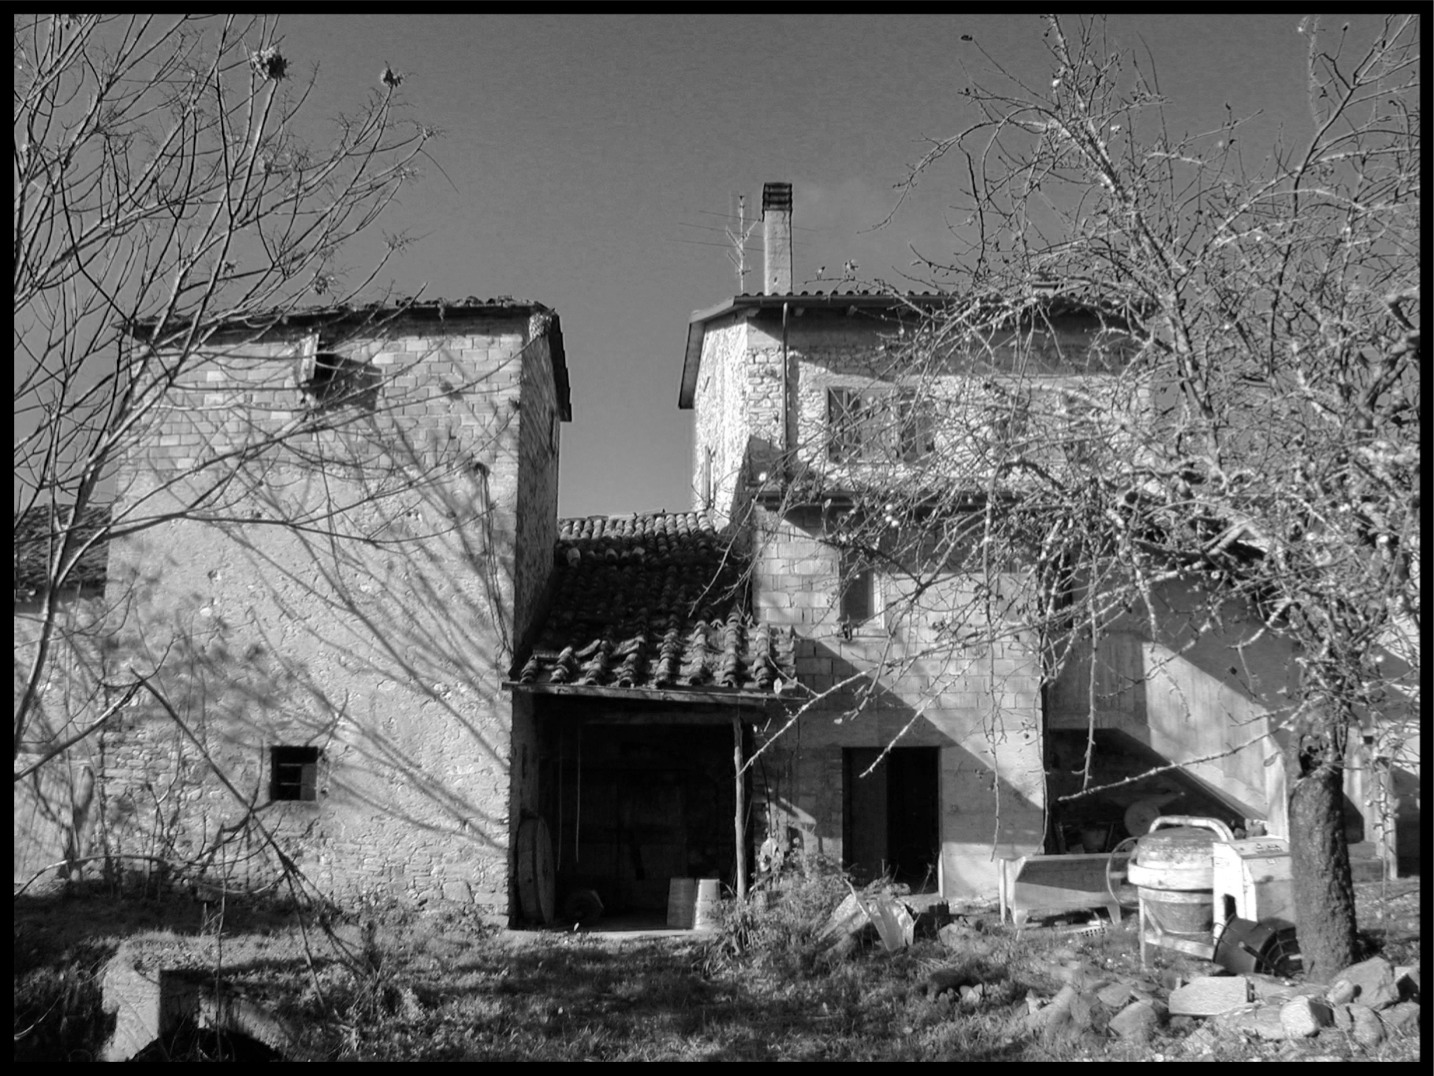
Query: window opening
(879, 426)
(339, 381)
(857, 602)
(293, 773)
(915, 433)
(1012, 419)
(845, 413)
(1081, 431)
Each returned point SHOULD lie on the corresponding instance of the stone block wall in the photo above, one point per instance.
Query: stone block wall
(862, 353)
(54, 807)
(980, 710)
(360, 590)
(721, 434)
(887, 684)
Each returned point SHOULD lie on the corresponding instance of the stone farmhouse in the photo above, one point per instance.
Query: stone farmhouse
(956, 762)
(376, 649)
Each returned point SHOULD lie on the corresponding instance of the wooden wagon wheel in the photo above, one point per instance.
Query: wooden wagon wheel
(537, 885)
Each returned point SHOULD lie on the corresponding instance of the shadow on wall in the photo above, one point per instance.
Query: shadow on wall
(377, 633)
(888, 787)
(54, 806)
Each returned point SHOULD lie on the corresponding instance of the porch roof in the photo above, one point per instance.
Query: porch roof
(653, 603)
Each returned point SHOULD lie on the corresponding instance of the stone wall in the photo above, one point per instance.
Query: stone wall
(360, 589)
(53, 808)
(763, 399)
(887, 686)
(531, 550)
(980, 711)
(721, 426)
(861, 353)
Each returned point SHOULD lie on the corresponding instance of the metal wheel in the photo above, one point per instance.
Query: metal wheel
(1115, 876)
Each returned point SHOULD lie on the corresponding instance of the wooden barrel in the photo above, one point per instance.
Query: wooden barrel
(704, 910)
(537, 881)
(681, 902)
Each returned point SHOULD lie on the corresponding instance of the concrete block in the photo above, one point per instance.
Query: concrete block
(1303, 1017)
(1210, 995)
(148, 1002)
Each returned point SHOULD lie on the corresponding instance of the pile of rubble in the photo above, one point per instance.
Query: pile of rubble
(1366, 1002)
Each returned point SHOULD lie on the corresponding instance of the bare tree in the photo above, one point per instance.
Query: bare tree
(1241, 422)
(167, 189)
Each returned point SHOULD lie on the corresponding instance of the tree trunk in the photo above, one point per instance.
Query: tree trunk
(1323, 889)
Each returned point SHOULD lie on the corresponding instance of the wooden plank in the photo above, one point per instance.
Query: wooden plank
(741, 829)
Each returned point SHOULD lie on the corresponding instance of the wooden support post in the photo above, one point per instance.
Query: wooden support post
(740, 828)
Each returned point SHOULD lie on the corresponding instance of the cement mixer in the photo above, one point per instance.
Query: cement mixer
(1172, 870)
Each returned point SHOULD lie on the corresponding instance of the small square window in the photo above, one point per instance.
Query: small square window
(340, 381)
(294, 773)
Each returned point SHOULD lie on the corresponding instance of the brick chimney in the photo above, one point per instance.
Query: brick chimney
(777, 238)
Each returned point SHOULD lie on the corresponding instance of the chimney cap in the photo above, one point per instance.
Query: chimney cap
(776, 196)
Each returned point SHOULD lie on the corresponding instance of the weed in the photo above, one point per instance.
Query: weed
(778, 926)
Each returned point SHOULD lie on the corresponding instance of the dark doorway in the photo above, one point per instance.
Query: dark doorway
(641, 804)
(893, 814)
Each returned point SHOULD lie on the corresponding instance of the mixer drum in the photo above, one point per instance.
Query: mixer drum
(1174, 872)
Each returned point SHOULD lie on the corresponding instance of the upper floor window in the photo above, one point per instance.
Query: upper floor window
(1054, 424)
(915, 426)
(339, 381)
(868, 426)
(1079, 428)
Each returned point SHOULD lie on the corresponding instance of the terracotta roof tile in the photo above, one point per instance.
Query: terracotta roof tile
(656, 601)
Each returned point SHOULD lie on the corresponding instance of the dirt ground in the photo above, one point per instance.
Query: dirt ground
(440, 989)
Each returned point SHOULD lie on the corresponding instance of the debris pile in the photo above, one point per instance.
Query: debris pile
(1366, 1002)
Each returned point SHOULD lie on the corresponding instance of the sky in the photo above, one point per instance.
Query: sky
(591, 163)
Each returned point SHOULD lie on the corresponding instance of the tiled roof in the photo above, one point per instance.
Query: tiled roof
(358, 315)
(891, 298)
(434, 308)
(653, 601)
(34, 530)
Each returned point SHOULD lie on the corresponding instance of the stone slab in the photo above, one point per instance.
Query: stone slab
(1210, 995)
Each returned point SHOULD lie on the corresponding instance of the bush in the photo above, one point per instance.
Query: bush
(778, 924)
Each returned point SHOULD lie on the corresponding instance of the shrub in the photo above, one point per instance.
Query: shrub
(779, 923)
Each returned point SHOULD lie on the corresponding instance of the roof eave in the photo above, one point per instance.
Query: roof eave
(558, 357)
(722, 696)
(692, 361)
(697, 324)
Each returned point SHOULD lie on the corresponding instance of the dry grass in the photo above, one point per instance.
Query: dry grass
(419, 989)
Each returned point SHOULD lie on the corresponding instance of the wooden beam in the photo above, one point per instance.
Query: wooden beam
(721, 697)
(741, 829)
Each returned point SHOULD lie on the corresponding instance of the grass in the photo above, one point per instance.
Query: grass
(762, 987)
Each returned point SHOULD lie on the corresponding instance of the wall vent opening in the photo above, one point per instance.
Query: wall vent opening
(294, 773)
